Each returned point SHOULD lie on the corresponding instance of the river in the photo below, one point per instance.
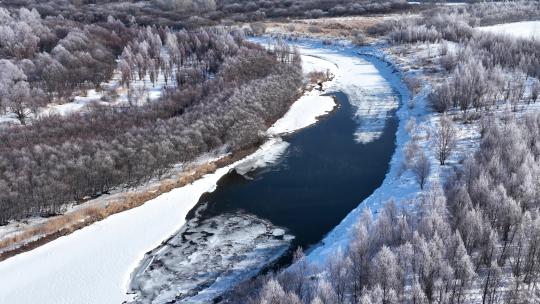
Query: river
(255, 219)
(307, 184)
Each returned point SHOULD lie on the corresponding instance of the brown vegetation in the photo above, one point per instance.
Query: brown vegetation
(343, 27)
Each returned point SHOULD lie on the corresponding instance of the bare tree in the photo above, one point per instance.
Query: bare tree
(445, 139)
(339, 274)
(19, 101)
(421, 168)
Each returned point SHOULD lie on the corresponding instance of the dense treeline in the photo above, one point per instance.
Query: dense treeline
(224, 92)
(309, 9)
(193, 13)
(484, 68)
(46, 59)
(478, 242)
(494, 12)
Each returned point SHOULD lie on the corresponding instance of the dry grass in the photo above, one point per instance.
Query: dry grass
(340, 27)
(318, 76)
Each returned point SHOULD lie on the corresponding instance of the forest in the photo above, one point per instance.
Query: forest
(482, 70)
(195, 13)
(221, 92)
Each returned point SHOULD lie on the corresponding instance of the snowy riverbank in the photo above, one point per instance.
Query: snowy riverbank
(93, 264)
(371, 84)
(386, 82)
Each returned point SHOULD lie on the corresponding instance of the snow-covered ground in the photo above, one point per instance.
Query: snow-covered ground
(368, 91)
(93, 264)
(312, 63)
(303, 113)
(306, 109)
(525, 29)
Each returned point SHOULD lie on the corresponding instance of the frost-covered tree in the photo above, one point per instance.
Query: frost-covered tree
(339, 275)
(441, 98)
(14, 90)
(386, 273)
(445, 139)
(421, 168)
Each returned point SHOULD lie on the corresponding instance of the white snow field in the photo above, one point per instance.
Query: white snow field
(524, 29)
(94, 264)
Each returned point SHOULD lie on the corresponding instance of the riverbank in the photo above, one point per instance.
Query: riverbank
(93, 264)
(33, 236)
(370, 88)
(22, 236)
(397, 185)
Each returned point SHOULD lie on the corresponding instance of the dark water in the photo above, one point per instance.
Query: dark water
(321, 178)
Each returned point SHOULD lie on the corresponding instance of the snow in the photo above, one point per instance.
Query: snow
(303, 113)
(207, 257)
(368, 91)
(316, 64)
(306, 110)
(94, 264)
(525, 29)
(269, 153)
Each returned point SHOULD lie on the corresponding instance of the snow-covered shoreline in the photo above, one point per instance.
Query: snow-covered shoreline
(371, 83)
(392, 186)
(94, 264)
